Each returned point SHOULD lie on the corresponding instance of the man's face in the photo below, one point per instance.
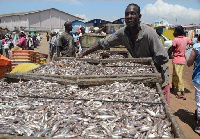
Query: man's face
(132, 17)
(70, 27)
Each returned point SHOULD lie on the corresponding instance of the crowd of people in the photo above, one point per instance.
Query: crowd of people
(22, 40)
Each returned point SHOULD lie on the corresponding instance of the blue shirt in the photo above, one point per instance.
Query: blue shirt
(196, 70)
(75, 37)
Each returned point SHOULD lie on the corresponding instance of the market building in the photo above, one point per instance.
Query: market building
(40, 20)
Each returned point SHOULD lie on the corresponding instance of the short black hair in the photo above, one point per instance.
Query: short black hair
(198, 38)
(179, 30)
(133, 4)
(67, 23)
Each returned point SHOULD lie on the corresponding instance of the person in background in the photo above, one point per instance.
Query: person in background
(29, 43)
(195, 59)
(34, 37)
(179, 60)
(14, 36)
(47, 36)
(53, 43)
(38, 39)
(76, 40)
(11, 45)
(22, 42)
(1, 48)
(66, 46)
(194, 40)
(82, 31)
(6, 47)
(141, 41)
(159, 31)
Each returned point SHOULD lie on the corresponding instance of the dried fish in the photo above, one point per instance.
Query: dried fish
(37, 114)
(79, 68)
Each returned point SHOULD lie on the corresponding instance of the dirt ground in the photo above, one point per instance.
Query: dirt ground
(182, 109)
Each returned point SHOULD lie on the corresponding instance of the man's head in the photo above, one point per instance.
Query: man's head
(53, 33)
(82, 30)
(68, 26)
(132, 15)
(178, 31)
(22, 34)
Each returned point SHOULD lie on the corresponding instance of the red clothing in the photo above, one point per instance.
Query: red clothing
(22, 42)
(180, 44)
(166, 92)
(3, 41)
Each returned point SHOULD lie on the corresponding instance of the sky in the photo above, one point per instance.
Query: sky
(175, 12)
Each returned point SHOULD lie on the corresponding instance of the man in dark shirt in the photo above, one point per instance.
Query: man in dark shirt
(141, 41)
(66, 46)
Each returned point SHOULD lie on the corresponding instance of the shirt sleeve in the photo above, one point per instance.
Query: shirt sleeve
(189, 41)
(196, 46)
(111, 40)
(60, 41)
(174, 42)
(21, 41)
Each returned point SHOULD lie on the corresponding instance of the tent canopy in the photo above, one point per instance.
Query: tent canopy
(160, 23)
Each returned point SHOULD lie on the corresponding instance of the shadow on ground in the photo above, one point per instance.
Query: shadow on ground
(187, 117)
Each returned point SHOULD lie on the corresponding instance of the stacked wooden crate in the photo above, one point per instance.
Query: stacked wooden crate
(22, 56)
(90, 38)
(5, 65)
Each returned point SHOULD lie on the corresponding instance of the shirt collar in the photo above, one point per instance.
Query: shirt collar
(141, 32)
(180, 36)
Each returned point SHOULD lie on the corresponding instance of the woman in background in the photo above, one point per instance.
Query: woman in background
(179, 60)
(195, 58)
(22, 41)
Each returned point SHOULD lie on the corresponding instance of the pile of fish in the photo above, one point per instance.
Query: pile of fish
(102, 55)
(52, 110)
(77, 67)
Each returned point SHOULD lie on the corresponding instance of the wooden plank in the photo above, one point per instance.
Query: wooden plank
(134, 60)
(20, 76)
(33, 76)
(178, 133)
(118, 49)
(90, 38)
(103, 81)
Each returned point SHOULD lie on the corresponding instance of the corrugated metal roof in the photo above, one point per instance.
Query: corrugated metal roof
(31, 12)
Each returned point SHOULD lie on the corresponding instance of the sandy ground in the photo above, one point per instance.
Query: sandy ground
(182, 109)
